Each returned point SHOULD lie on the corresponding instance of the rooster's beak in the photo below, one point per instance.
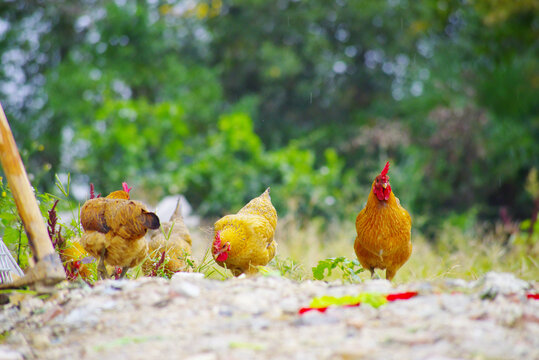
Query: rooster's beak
(384, 185)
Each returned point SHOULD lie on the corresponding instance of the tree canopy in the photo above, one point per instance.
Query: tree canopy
(220, 99)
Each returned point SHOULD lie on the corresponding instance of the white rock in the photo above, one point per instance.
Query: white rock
(203, 356)
(89, 314)
(167, 205)
(8, 354)
(494, 283)
(456, 283)
(181, 276)
(185, 289)
(382, 286)
(290, 305)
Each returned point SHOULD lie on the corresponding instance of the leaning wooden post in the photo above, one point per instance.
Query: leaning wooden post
(48, 268)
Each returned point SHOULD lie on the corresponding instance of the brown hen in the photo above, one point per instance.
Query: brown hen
(114, 229)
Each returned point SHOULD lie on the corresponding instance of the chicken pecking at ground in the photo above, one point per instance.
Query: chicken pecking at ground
(383, 229)
(114, 229)
(174, 240)
(244, 240)
(73, 256)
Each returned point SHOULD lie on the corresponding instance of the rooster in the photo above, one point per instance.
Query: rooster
(244, 240)
(114, 229)
(174, 240)
(383, 229)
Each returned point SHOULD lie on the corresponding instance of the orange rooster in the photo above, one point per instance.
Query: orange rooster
(172, 239)
(114, 230)
(383, 229)
(244, 240)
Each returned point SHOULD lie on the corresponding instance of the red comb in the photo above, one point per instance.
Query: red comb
(386, 169)
(126, 188)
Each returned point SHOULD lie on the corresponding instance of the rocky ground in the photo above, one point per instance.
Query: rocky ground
(191, 318)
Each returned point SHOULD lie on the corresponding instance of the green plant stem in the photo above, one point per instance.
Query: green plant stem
(19, 247)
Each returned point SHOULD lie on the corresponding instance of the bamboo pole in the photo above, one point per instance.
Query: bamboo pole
(48, 268)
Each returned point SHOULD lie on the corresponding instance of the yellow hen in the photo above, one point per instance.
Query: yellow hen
(244, 240)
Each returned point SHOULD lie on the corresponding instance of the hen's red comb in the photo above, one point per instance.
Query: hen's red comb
(386, 169)
(126, 188)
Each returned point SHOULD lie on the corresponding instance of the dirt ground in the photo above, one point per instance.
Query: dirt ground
(189, 317)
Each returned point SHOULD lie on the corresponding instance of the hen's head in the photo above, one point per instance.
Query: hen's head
(220, 250)
(381, 187)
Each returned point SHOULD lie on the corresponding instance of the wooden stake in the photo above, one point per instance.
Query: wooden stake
(48, 268)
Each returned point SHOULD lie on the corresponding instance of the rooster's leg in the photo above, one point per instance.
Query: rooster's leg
(124, 271)
(374, 275)
(390, 274)
(101, 269)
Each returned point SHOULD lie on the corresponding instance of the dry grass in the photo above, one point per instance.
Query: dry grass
(458, 254)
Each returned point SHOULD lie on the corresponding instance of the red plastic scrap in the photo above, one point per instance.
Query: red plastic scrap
(307, 309)
(401, 296)
(322, 309)
(532, 296)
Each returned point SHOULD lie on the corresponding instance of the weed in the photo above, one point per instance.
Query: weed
(350, 269)
(211, 269)
(288, 268)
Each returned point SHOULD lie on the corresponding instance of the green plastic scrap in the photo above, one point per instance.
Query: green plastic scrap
(371, 298)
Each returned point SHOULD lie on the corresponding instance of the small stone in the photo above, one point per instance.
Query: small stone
(494, 283)
(315, 318)
(290, 305)
(88, 315)
(381, 286)
(30, 304)
(187, 276)
(52, 313)
(79, 317)
(456, 303)
(203, 356)
(258, 324)
(39, 341)
(124, 284)
(185, 289)
(8, 354)
(247, 302)
(224, 311)
(456, 283)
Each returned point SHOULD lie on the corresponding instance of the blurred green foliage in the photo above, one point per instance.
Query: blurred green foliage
(220, 99)
(13, 234)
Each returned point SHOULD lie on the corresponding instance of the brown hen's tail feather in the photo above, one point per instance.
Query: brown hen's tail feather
(119, 194)
(177, 214)
(150, 220)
